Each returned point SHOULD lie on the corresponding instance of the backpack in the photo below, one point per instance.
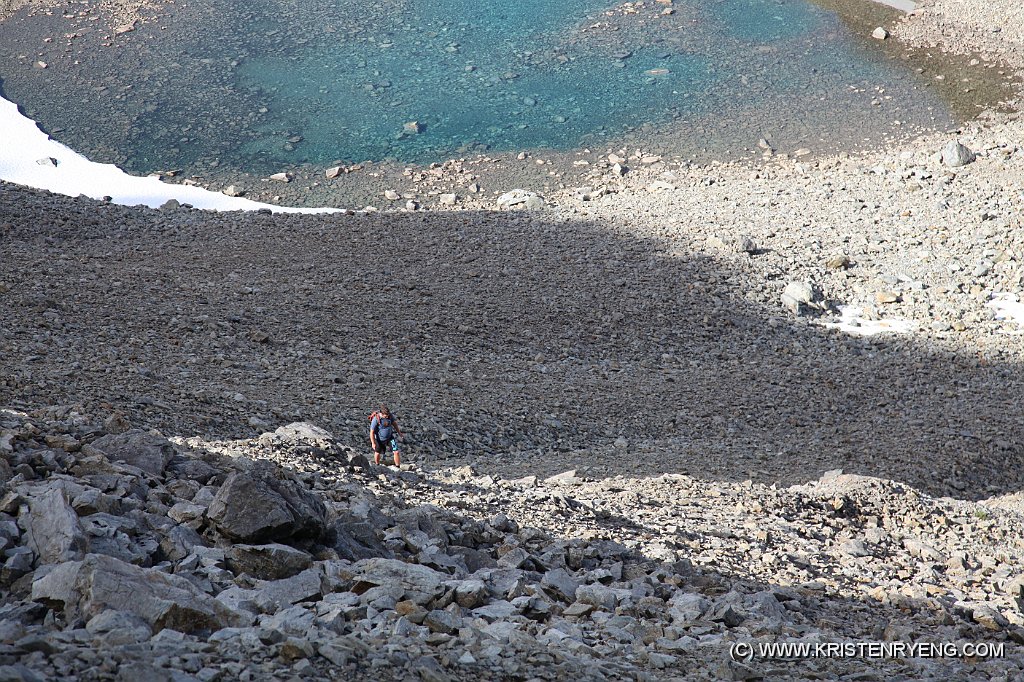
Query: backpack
(386, 426)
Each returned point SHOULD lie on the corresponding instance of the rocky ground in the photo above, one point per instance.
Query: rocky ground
(627, 414)
(289, 556)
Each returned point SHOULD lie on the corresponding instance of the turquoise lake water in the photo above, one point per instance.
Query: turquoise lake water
(268, 84)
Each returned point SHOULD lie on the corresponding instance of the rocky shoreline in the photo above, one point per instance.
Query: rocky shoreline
(79, 57)
(644, 422)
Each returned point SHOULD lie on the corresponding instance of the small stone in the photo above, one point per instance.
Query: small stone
(447, 199)
(392, 195)
(796, 295)
(332, 172)
(840, 262)
(281, 177)
(879, 33)
(854, 548)
(887, 297)
(955, 155)
(746, 244)
(414, 127)
(233, 191)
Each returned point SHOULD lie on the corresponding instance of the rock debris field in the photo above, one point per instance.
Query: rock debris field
(648, 417)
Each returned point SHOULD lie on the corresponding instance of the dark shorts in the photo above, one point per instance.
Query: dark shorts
(383, 447)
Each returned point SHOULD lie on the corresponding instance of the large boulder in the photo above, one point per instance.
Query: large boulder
(520, 199)
(354, 539)
(137, 448)
(268, 562)
(86, 588)
(303, 432)
(258, 506)
(418, 583)
(274, 595)
(52, 528)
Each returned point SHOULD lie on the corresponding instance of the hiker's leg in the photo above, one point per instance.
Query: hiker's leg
(376, 455)
(394, 451)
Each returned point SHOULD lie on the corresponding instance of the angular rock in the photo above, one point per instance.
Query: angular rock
(442, 621)
(560, 584)
(418, 583)
(86, 588)
(255, 507)
(138, 448)
(798, 294)
(52, 528)
(118, 628)
(955, 155)
(268, 562)
(686, 607)
(354, 539)
(599, 595)
(520, 199)
(294, 621)
(276, 594)
(470, 593)
(303, 432)
(496, 610)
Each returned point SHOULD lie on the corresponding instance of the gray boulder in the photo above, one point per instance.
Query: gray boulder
(138, 448)
(86, 588)
(268, 562)
(274, 595)
(796, 295)
(52, 528)
(520, 199)
(955, 155)
(257, 507)
(687, 607)
(179, 541)
(116, 628)
(418, 583)
(470, 593)
(303, 432)
(354, 539)
(560, 584)
(602, 597)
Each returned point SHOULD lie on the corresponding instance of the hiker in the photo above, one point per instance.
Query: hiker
(384, 433)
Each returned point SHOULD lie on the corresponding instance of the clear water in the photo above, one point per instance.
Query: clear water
(271, 84)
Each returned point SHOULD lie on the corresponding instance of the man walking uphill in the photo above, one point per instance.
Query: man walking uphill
(384, 434)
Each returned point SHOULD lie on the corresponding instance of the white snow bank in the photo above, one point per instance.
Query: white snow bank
(1008, 307)
(25, 158)
(907, 6)
(851, 322)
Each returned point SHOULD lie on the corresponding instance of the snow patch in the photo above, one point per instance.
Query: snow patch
(852, 322)
(1009, 308)
(29, 157)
